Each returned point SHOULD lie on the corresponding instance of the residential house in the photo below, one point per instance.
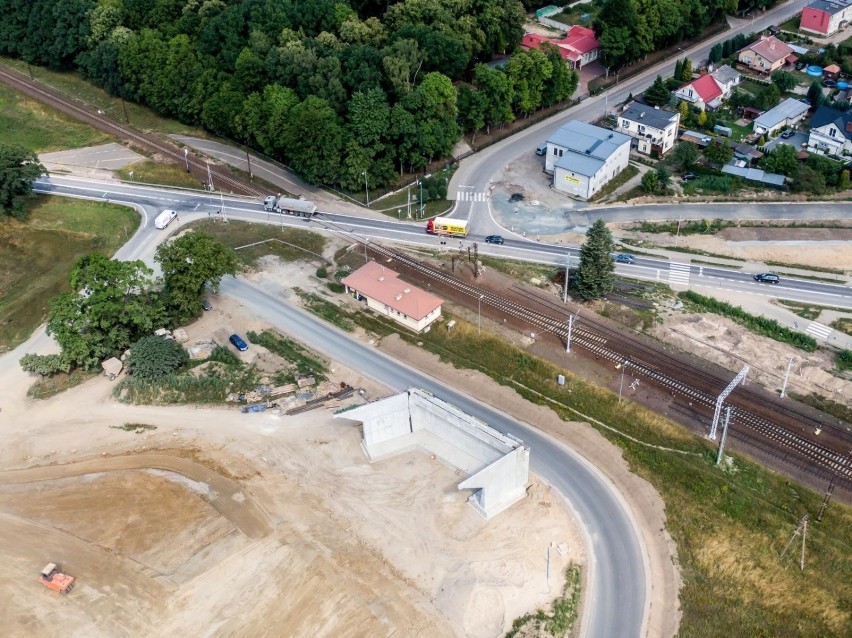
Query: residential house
(826, 17)
(654, 129)
(831, 132)
(583, 158)
(789, 112)
(386, 294)
(767, 55)
(578, 47)
(709, 90)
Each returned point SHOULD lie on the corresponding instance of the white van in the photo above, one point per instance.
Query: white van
(164, 219)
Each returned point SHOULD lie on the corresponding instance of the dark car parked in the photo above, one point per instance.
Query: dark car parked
(206, 305)
(238, 342)
(688, 177)
(494, 239)
(788, 134)
(767, 278)
(624, 258)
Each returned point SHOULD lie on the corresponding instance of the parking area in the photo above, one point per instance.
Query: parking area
(798, 141)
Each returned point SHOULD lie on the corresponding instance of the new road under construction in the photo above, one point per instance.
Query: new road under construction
(808, 443)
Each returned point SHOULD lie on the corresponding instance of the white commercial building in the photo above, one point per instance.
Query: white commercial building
(496, 465)
(583, 158)
(654, 129)
(788, 113)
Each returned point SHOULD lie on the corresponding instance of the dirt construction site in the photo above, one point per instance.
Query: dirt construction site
(207, 522)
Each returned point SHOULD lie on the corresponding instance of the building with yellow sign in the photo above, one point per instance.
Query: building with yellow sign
(582, 158)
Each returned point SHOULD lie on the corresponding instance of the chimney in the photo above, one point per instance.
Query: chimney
(849, 127)
(642, 114)
(772, 44)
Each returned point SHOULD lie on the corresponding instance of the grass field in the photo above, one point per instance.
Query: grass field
(82, 90)
(290, 244)
(148, 172)
(41, 128)
(36, 258)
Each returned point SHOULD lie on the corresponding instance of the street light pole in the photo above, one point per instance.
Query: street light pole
(186, 158)
(786, 376)
(366, 188)
(420, 181)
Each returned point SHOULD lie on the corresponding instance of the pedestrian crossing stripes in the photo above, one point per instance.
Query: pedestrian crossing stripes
(467, 196)
(818, 330)
(679, 273)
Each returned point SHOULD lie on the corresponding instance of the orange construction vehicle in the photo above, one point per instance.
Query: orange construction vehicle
(54, 579)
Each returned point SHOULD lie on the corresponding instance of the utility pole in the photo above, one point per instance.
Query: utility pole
(721, 451)
(209, 178)
(802, 529)
(479, 316)
(366, 188)
(126, 117)
(571, 320)
(786, 376)
(623, 367)
(186, 158)
(567, 270)
(248, 161)
(827, 497)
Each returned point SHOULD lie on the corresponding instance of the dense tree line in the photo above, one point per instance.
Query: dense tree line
(332, 88)
(629, 30)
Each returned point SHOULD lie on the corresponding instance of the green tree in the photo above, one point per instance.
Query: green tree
(563, 80)
(19, 169)
(44, 364)
(664, 177)
(528, 71)
(719, 152)
(785, 81)
(686, 154)
(110, 306)
(783, 159)
(844, 180)
(702, 119)
(657, 94)
(153, 357)
(498, 91)
(678, 70)
(686, 74)
(683, 109)
(815, 95)
(189, 263)
(313, 139)
(807, 180)
(596, 272)
(768, 97)
(715, 53)
(472, 106)
(651, 182)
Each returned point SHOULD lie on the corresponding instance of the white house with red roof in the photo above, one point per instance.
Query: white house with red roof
(767, 55)
(578, 47)
(826, 17)
(385, 293)
(709, 90)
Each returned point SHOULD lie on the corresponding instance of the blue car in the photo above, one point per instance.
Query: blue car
(624, 258)
(238, 342)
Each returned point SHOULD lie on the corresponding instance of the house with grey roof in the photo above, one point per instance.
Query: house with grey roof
(789, 112)
(583, 158)
(655, 129)
(831, 132)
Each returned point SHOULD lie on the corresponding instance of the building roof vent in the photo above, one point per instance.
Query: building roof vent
(381, 277)
(398, 297)
(642, 114)
(407, 290)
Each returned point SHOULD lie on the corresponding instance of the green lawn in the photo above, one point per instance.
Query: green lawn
(36, 257)
(75, 85)
(40, 128)
(148, 172)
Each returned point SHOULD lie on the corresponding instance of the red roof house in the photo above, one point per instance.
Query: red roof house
(578, 47)
(702, 93)
(384, 292)
(767, 55)
(826, 17)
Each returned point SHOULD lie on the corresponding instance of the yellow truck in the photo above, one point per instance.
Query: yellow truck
(447, 226)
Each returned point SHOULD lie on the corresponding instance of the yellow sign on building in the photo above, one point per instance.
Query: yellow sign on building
(572, 179)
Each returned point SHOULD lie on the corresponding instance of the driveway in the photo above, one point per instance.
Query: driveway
(799, 140)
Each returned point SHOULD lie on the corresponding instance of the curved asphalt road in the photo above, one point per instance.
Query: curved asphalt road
(617, 591)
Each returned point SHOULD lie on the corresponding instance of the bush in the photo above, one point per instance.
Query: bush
(760, 325)
(44, 364)
(843, 360)
(154, 357)
(322, 273)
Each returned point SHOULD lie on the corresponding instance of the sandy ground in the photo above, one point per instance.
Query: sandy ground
(218, 523)
(722, 341)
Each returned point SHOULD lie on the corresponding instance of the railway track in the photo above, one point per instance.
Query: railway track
(749, 420)
(147, 142)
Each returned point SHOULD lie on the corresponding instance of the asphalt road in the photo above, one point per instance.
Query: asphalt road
(617, 588)
(476, 172)
(676, 274)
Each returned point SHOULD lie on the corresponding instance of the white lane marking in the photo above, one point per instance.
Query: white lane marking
(465, 196)
(679, 273)
(818, 330)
